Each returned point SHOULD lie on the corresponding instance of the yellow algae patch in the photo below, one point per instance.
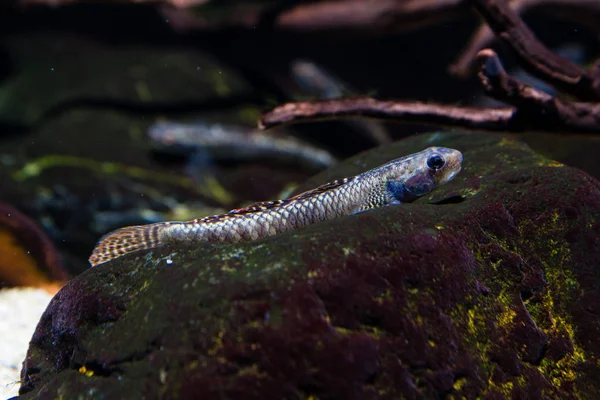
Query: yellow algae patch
(474, 320)
(507, 142)
(549, 163)
(253, 370)
(227, 268)
(549, 311)
(505, 388)
(469, 192)
(460, 383)
(476, 327)
(506, 318)
(87, 372)
(384, 296)
(347, 251)
(218, 344)
(564, 370)
(312, 274)
(343, 331)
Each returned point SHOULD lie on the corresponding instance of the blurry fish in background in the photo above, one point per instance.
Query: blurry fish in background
(206, 142)
(316, 81)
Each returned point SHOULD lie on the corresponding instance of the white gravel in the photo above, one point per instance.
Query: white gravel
(20, 311)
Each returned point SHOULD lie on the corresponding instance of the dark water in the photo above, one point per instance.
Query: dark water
(80, 86)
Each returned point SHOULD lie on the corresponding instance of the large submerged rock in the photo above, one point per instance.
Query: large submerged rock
(489, 287)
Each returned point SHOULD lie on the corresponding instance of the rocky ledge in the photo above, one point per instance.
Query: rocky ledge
(488, 287)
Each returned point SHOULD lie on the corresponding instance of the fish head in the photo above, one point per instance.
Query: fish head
(441, 163)
(411, 177)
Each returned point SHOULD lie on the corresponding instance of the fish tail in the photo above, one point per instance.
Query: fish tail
(127, 240)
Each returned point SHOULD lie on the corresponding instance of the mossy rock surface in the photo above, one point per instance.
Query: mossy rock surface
(488, 288)
(57, 72)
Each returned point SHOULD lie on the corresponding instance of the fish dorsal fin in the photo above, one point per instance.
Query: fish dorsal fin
(252, 208)
(321, 189)
(267, 205)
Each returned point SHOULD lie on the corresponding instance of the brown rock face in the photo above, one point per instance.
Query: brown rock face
(489, 288)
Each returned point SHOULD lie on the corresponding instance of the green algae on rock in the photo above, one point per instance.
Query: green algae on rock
(486, 288)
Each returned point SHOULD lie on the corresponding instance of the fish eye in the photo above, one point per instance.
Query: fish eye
(436, 162)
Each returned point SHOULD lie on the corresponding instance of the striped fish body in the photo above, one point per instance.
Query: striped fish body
(270, 218)
(399, 181)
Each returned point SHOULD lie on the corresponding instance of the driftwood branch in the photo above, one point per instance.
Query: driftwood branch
(350, 17)
(533, 110)
(353, 18)
(546, 112)
(401, 111)
(536, 58)
(585, 12)
(483, 37)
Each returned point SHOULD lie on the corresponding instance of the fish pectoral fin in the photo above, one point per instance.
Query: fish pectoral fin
(368, 207)
(358, 210)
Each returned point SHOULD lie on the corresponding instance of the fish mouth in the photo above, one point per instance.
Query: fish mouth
(457, 166)
(453, 174)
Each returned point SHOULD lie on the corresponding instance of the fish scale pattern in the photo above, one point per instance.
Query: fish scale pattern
(271, 218)
(371, 189)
